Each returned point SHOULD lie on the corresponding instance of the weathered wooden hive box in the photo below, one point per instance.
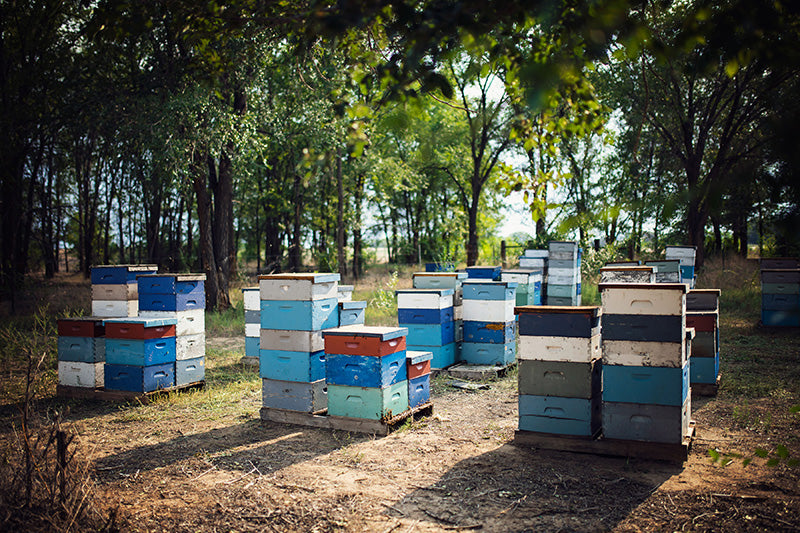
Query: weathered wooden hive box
(563, 274)
(780, 292)
(115, 289)
(428, 315)
(489, 336)
(529, 285)
(367, 373)
(559, 370)
(625, 274)
(181, 297)
(251, 300)
(645, 368)
(81, 352)
(667, 271)
(686, 256)
(295, 308)
(418, 368)
(140, 354)
(702, 315)
(352, 313)
(491, 273)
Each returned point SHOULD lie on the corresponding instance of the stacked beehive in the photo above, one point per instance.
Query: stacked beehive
(702, 314)
(667, 271)
(366, 372)
(780, 292)
(627, 274)
(529, 285)
(81, 352)
(489, 324)
(140, 354)
(115, 290)
(645, 368)
(686, 256)
(418, 368)
(559, 370)
(537, 259)
(295, 309)
(563, 274)
(427, 317)
(181, 297)
(446, 280)
(252, 323)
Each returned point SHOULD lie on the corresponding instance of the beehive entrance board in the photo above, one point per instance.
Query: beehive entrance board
(343, 423)
(87, 393)
(673, 453)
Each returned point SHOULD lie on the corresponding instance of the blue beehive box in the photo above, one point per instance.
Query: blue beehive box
(651, 328)
(139, 378)
(300, 315)
(419, 390)
(252, 346)
(480, 353)
(140, 352)
(489, 332)
(81, 349)
(645, 384)
(190, 371)
(556, 415)
(352, 313)
(443, 356)
(495, 290)
(424, 316)
(292, 366)
(430, 334)
(366, 370)
(119, 274)
(484, 272)
(704, 369)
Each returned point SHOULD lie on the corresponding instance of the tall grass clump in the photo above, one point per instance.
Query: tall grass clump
(46, 485)
(382, 303)
(227, 323)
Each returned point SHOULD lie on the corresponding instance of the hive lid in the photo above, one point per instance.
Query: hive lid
(146, 322)
(593, 310)
(415, 357)
(313, 277)
(384, 333)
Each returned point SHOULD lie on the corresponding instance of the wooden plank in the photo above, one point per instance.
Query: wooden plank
(674, 453)
(85, 393)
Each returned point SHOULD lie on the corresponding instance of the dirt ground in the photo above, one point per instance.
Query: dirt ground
(456, 470)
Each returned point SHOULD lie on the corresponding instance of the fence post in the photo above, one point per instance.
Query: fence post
(503, 253)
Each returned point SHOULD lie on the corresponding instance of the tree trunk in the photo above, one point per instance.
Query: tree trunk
(341, 260)
(204, 214)
(696, 226)
(472, 230)
(295, 255)
(222, 225)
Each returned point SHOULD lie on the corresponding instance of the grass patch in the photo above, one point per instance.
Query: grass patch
(227, 323)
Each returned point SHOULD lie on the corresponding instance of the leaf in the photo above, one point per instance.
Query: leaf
(794, 409)
(782, 451)
(761, 452)
(715, 456)
(773, 462)
(747, 461)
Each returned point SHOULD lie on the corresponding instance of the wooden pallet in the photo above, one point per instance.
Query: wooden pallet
(657, 451)
(478, 372)
(706, 389)
(86, 393)
(344, 423)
